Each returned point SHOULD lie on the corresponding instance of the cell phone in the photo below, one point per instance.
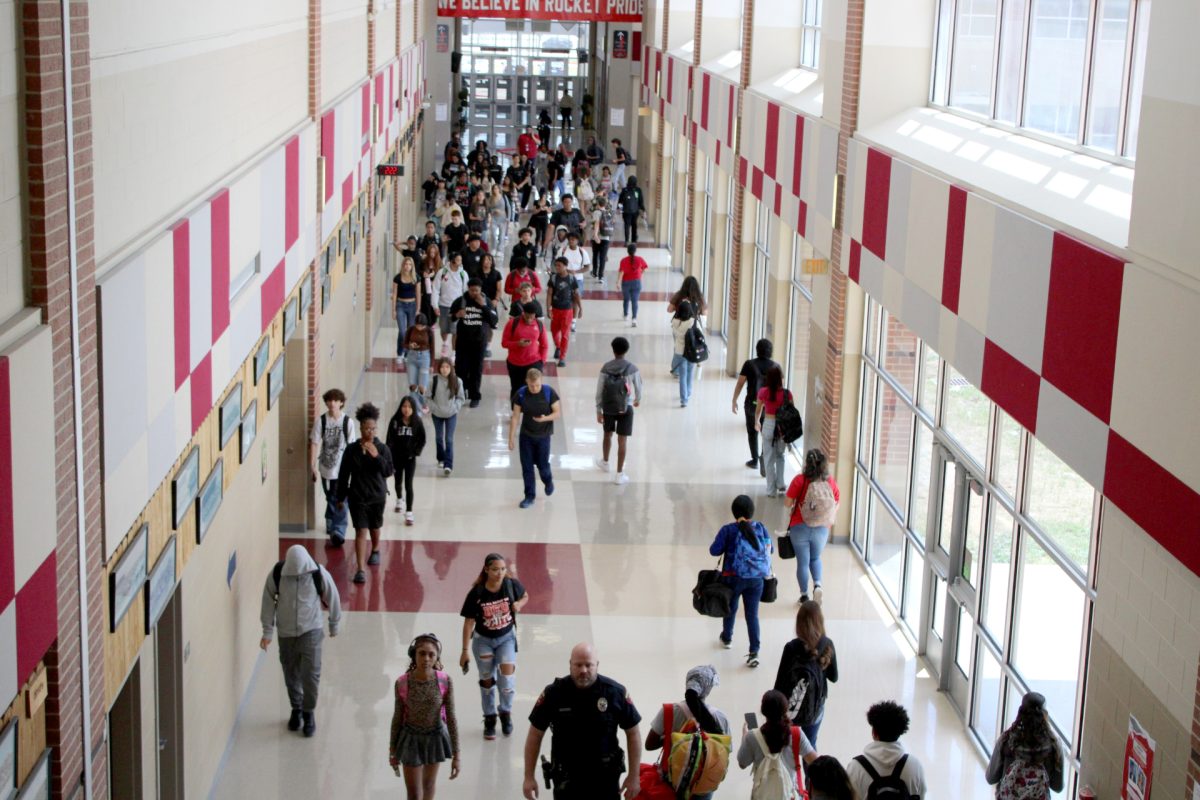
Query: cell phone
(466, 667)
(751, 720)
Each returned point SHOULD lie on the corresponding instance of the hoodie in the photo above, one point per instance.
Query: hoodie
(405, 441)
(883, 757)
(442, 403)
(298, 609)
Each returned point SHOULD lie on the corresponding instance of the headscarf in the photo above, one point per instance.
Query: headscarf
(702, 680)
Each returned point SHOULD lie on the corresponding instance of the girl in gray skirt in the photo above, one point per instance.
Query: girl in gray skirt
(424, 729)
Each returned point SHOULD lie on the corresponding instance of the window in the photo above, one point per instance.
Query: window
(242, 279)
(1070, 70)
(810, 35)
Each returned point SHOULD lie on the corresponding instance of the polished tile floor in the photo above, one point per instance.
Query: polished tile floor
(613, 565)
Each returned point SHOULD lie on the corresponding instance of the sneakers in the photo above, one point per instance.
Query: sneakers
(294, 720)
(360, 577)
(526, 503)
(399, 361)
(633, 324)
(489, 726)
(337, 541)
(803, 599)
(373, 559)
(752, 463)
(625, 318)
(562, 362)
(399, 505)
(474, 403)
(818, 593)
(752, 660)
(725, 644)
(557, 353)
(487, 353)
(549, 488)
(440, 466)
(310, 723)
(506, 724)
(602, 465)
(572, 326)
(446, 471)
(620, 479)
(408, 519)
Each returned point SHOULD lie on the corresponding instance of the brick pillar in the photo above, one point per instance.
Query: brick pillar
(313, 367)
(697, 31)
(660, 147)
(739, 192)
(834, 349)
(50, 246)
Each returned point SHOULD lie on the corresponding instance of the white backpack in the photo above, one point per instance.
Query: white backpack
(819, 506)
(772, 781)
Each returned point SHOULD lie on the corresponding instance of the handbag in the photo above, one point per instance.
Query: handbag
(710, 596)
(785, 547)
(770, 590)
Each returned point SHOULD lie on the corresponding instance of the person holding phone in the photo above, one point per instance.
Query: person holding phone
(489, 615)
(777, 739)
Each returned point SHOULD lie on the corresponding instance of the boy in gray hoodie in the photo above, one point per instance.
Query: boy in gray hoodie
(292, 597)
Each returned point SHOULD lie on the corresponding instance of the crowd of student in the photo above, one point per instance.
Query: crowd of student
(448, 281)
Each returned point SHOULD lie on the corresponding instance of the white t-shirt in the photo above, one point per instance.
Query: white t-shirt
(578, 260)
(331, 447)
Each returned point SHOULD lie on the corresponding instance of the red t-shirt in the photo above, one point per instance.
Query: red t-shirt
(632, 268)
(771, 404)
(799, 488)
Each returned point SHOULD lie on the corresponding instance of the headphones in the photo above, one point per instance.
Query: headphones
(428, 637)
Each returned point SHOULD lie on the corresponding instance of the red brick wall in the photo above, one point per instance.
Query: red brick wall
(697, 35)
(739, 194)
(44, 98)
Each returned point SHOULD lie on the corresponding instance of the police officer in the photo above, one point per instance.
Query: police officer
(585, 710)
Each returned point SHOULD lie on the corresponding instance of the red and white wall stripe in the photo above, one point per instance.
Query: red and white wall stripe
(1070, 340)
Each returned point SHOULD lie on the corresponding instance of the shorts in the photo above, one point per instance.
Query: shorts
(621, 423)
(367, 515)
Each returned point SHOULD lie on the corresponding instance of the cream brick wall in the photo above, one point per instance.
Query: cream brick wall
(13, 278)
(226, 70)
(385, 35)
(343, 46)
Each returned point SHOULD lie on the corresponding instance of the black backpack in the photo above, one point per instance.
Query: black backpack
(695, 348)
(885, 787)
(807, 696)
(789, 425)
(562, 290)
(630, 201)
(318, 582)
(614, 393)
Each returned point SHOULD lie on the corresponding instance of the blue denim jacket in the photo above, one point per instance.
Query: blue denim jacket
(741, 559)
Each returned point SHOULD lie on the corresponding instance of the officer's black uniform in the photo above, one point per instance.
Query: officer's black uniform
(584, 747)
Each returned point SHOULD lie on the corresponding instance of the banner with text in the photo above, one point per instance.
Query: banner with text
(566, 10)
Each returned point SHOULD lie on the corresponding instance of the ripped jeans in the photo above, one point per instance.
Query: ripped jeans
(489, 655)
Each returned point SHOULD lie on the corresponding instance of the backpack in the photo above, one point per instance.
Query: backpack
(819, 506)
(807, 697)
(772, 781)
(443, 687)
(789, 425)
(318, 582)
(694, 762)
(614, 393)
(524, 391)
(885, 787)
(629, 201)
(607, 223)
(1024, 781)
(328, 457)
(695, 348)
(562, 290)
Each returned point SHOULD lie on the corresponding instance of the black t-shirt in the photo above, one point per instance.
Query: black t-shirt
(562, 287)
(457, 235)
(536, 405)
(426, 240)
(518, 174)
(585, 721)
(515, 311)
(573, 219)
(472, 328)
(621, 156)
(473, 262)
(407, 291)
(525, 251)
(540, 220)
(754, 370)
(492, 611)
(492, 281)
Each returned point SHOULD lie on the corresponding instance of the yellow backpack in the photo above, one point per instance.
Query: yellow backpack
(695, 762)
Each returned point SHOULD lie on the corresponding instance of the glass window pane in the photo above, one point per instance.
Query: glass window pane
(914, 569)
(970, 568)
(949, 489)
(974, 49)
(1108, 70)
(887, 550)
(1141, 30)
(929, 380)
(899, 355)
(861, 499)
(964, 641)
(871, 337)
(942, 52)
(893, 450)
(918, 516)
(988, 684)
(1008, 74)
(1046, 645)
(866, 420)
(1060, 502)
(1008, 453)
(937, 617)
(966, 415)
(998, 568)
(1054, 79)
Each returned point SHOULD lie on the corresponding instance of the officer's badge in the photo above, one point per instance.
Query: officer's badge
(602, 705)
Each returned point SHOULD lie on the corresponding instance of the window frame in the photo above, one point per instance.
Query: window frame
(813, 10)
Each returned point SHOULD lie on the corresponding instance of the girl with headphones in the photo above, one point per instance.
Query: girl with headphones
(424, 728)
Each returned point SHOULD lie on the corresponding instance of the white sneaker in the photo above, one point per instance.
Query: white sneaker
(440, 466)
(601, 464)
(408, 518)
(446, 472)
(818, 594)
(633, 324)
(625, 318)
(399, 505)
(399, 361)
(620, 479)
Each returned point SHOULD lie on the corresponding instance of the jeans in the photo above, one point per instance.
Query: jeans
(687, 379)
(808, 542)
(497, 233)
(535, 452)
(300, 657)
(335, 519)
(749, 591)
(631, 225)
(811, 730)
(630, 291)
(489, 655)
(416, 362)
(599, 257)
(619, 177)
(772, 453)
(443, 435)
(405, 470)
(406, 315)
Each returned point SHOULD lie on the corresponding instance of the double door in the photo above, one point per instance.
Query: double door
(502, 102)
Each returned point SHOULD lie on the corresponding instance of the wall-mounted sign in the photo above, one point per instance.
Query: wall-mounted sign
(184, 486)
(620, 44)
(249, 431)
(262, 357)
(390, 170)
(291, 313)
(1139, 763)
(37, 692)
(210, 500)
(160, 585)
(231, 414)
(274, 382)
(562, 10)
(127, 577)
(443, 38)
(814, 266)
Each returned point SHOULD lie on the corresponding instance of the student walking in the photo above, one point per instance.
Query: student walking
(527, 344)
(406, 300)
(883, 763)
(751, 377)
(808, 665)
(424, 727)
(418, 347)
(1027, 761)
(449, 285)
(693, 715)
(770, 397)
(746, 548)
(446, 397)
(333, 431)
(618, 392)
(603, 223)
(490, 634)
(562, 295)
(775, 749)
(292, 598)
(814, 502)
(476, 319)
(632, 205)
(362, 482)
(632, 267)
(685, 368)
(621, 159)
(535, 406)
(406, 440)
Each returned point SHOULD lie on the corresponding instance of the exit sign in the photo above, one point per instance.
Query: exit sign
(814, 266)
(393, 170)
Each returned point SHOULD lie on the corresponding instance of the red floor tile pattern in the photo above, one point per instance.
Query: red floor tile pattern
(615, 294)
(493, 366)
(435, 576)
